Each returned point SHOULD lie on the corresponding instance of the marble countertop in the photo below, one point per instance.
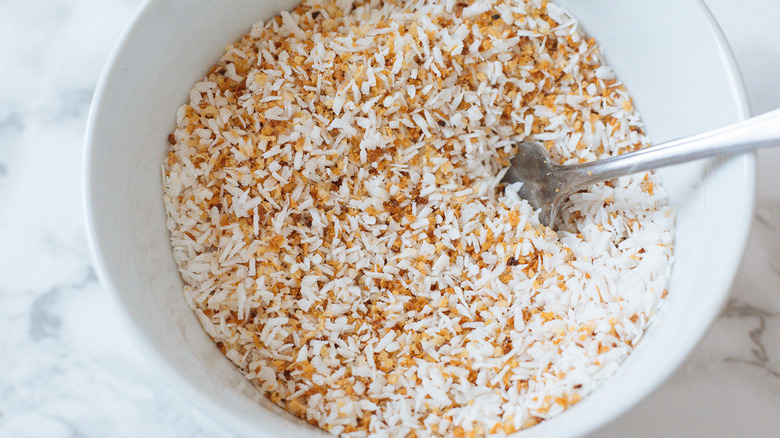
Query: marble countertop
(69, 369)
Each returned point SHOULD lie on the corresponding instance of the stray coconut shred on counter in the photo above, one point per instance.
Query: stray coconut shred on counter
(334, 200)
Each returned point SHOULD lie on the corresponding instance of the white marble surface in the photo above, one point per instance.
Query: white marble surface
(67, 366)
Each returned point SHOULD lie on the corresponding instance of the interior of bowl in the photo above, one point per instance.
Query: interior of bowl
(683, 82)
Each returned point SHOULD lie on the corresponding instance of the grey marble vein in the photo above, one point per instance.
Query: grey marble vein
(43, 321)
(761, 358)
(11, 122)
(763, 218)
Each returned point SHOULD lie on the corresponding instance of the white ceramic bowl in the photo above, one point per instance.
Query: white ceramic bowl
(669, 53)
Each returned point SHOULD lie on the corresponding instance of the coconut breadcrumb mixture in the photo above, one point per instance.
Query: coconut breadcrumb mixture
(336, 214)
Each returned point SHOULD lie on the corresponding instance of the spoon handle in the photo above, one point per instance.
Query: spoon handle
(753, 133)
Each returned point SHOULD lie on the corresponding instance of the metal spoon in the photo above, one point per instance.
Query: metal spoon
(547, 184)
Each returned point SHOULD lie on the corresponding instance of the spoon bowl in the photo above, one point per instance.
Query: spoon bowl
(544, 183)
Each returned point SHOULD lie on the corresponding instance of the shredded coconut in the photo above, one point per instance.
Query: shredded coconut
(336, 213)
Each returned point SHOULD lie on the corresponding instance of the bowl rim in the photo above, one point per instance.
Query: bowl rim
(166, 372)
(693, 337)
